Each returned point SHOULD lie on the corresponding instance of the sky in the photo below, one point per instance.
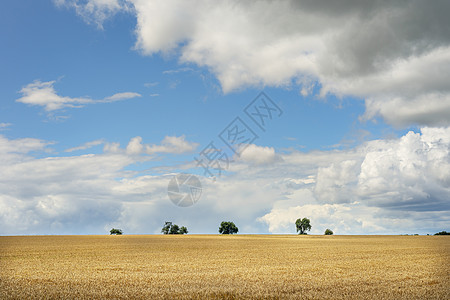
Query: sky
(338, 112)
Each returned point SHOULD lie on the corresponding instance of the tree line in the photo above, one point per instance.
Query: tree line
(228, 227)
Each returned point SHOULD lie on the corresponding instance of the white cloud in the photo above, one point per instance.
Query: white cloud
(335, 181)
(121, 96)
(151, 84)
(395, 56)
(172, 144)
(95, 11)
(13, 150)
(86, 145)
(412, 173)
(431, 109)
(338, 217)
(76, 194)
(180, 70)
(135, 146)
(44, 94)
(351, 218)
(111, 147)
(383, 186)
(257, 155)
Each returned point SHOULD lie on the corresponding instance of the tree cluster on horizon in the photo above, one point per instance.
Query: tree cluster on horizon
(227, 227)
(170, 228)
(442, 233)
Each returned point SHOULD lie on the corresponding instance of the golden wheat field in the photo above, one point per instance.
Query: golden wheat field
(225, 267)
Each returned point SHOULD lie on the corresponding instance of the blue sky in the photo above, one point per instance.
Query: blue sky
(104, 101)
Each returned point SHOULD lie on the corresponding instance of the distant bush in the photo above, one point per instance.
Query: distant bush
(328, 232)
(442, 233)
(116, 231)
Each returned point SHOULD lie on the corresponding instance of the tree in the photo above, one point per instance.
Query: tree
(228, 228)
(303, 225)
(174, 229)
(328, 232)
(116, 231)
(183, 230)
(166, 228)
(170, 228)
(442, 233)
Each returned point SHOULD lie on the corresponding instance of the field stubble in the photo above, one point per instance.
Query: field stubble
(230, 267)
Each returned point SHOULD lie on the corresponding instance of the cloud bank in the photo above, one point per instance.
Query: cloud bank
(380, 187)
(78, 194)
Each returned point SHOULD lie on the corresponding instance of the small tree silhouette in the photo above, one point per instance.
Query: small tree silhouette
(116, 231)
(442, 233)
(328, 232)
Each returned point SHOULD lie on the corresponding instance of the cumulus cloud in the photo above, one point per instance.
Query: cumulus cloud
(334, 182)
(172, 144)
(44, 94)
(78, 194)
(382, 186)
(394, 55)
(411, 173)
(135, 146)
(352, 218)
(257, 155)
(338, 217)
(57, 195)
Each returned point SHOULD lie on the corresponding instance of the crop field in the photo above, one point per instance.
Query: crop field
(225, 267)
